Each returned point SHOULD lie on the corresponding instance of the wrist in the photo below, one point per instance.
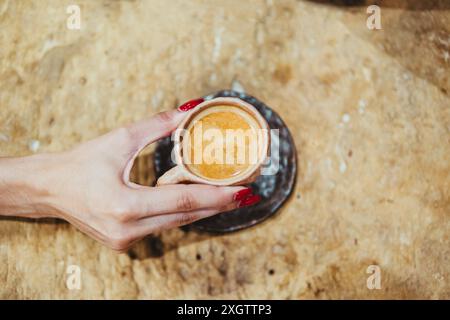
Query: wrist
(25, 186)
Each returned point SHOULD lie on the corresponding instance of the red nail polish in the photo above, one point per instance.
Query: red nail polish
(250, 200)
(242, 194)
(190, 104)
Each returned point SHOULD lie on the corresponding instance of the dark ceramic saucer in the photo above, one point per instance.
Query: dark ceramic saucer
(274, 189)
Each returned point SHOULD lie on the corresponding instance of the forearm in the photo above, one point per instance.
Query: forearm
(89, 187)
(24, 186)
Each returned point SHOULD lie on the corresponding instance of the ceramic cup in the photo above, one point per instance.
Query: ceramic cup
(181, 173)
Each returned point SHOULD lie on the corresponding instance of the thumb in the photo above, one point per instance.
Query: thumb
(147, 131)
(159, 126)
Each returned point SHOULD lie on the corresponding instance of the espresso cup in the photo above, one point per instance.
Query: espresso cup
(239, 144)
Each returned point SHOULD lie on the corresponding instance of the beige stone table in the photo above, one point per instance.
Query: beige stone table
(369, 111)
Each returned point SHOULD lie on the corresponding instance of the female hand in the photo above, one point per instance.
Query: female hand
(89, 187)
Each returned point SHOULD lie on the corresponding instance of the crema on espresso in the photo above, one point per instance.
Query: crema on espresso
(221, 142)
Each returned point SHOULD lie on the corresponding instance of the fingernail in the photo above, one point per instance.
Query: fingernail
(190, 105)
(242, 194)
(250, 200)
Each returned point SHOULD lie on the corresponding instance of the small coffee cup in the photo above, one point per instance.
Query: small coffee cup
(183, 171)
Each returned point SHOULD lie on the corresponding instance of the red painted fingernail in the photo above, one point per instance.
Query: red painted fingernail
(242, 194)
(190, 105)
(250, 200)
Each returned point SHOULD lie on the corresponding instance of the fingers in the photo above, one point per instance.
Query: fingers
(123, 224)
(184, 198)
(150, 225)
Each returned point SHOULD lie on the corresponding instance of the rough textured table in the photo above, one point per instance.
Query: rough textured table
(369, 110)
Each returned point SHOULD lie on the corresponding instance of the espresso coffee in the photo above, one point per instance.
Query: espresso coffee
(222, 142)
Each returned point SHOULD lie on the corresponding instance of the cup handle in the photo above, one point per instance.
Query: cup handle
(173, 176)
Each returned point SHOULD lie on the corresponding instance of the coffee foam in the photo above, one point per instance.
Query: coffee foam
(219, 171)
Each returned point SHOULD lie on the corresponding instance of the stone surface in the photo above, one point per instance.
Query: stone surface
(369, 110)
